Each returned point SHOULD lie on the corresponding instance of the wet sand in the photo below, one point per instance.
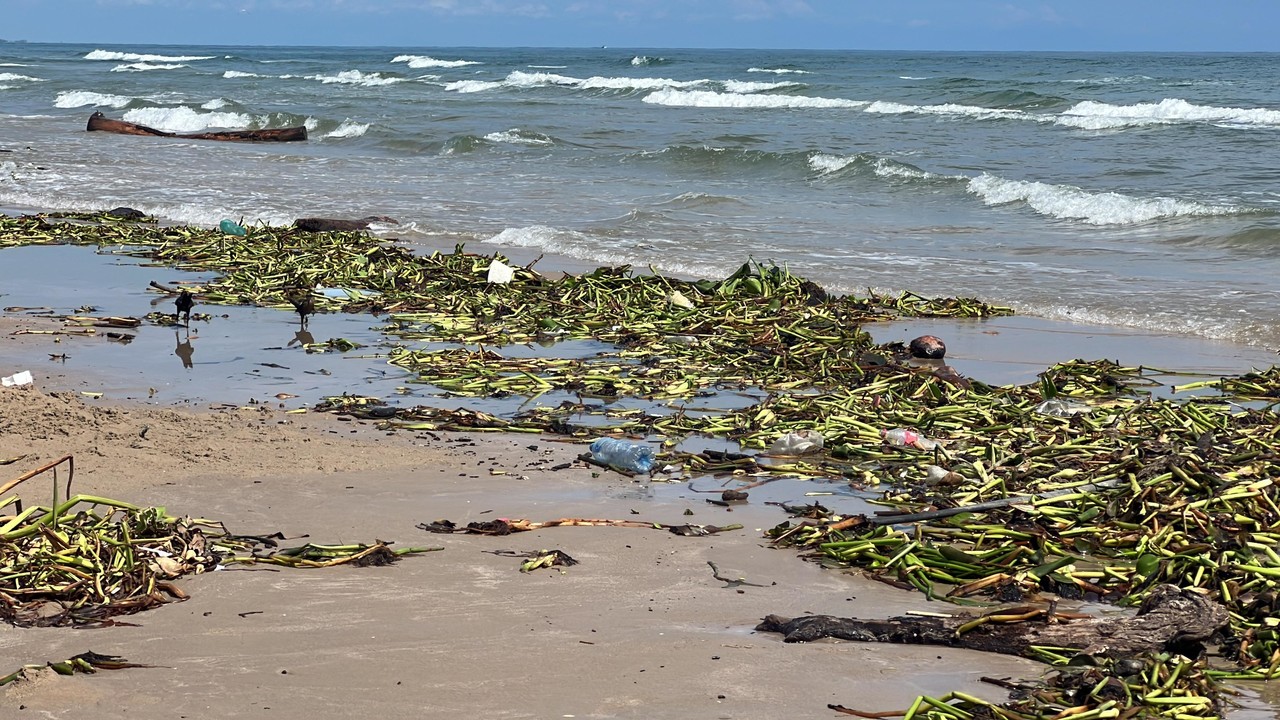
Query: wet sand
(639, 629)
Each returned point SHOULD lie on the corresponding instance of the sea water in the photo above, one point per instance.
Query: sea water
(1138, 190)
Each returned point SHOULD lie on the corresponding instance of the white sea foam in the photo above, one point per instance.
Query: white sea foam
(779, 71)
(473, 86)
(349, 128)
(12, 77)
(516, 136)
(1096, 115)
(355, 77)
(137, 57)
(708, 99)
(891, 169)
(825, 163)
(185, 119)
(7, 87)
(974, 111)
(912, 77)
(81, 98)
(142, 67)
(548, 67)
(742, 86)
(238, 74)
(1103, 208)
(14, 65)
(646, 60)
(215, 104)
(424, 61)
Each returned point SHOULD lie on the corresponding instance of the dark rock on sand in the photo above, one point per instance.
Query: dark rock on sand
(127, 212)
(927, 347)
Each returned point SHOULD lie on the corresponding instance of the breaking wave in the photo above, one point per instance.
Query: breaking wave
(1091, 115)
(348, 128)
(982, 113)
(355, 77)
(516, 136)
(137, 57)
(520, 80)
(238, 74)
(82, 98)
(185, 119)
(779, 71)
(1068, 202)
(710, 99)
(12, 77)
(143, 67)
(424, 61)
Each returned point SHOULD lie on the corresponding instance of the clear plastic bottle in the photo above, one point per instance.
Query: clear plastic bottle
(636, 457)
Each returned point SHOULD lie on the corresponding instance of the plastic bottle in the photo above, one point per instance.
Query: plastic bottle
(902, 437)
(231, 227)
(635, 457)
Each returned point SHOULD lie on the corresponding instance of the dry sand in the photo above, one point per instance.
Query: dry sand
(639, 629)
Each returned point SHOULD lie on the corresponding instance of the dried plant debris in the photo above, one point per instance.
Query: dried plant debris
(85, 559)
(88, 662)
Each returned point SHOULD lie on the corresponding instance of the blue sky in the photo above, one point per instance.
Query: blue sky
(1136, 25)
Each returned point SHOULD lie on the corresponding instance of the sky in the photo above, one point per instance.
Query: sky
(1064, 25)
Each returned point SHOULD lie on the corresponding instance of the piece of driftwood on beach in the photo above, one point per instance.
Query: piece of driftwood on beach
(102, 123)
(1169, 619)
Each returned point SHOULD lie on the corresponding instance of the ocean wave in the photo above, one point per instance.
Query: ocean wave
(215, 104)
(710, 158)
(14, 65)
(355, 77)
(710, 99)
(238, 74)
(143, 67)
(1068, 202)
(521, 80)
(747, 87)
(643, 60)
(424, 61)
(779, 71)
(138, 57)
(82, 98)
(348, 128)
(516, 136)
(1014, 100)
(185, 119)
(14, 77)
(974, 111)
(828, 164)
(884, 167)
(1097, 115)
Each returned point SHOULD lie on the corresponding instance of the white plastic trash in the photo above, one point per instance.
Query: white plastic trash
(800, 442)
(500, 273)
(17, 379)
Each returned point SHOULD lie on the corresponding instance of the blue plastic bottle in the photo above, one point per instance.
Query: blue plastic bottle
(636, 457)
(231, 227)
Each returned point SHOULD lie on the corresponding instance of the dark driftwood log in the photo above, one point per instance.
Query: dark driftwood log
(1169, 619)
(102, 123)
(330, 225)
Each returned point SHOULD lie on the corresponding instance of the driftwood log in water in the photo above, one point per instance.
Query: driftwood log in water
(1169, 619)
(102, 123)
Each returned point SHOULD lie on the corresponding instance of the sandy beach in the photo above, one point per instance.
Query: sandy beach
(640, 628)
